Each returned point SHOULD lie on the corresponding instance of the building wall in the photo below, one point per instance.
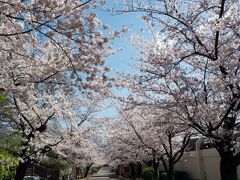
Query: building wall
(201, 165)
(190, 164)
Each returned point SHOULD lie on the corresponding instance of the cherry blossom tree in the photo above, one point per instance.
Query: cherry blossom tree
(81, 149)
(191, 68)
(144, 134)
(51, 52)
(54, 121)
(122, 147)
(82, 146)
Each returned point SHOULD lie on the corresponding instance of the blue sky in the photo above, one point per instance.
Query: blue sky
(121, 61)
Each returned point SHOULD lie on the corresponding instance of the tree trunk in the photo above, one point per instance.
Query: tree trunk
(229, 161)
(139, 170)
(170, 172)
(87, 170)
(21, 170)
(133, 172)
(155, 167)
(228, 171)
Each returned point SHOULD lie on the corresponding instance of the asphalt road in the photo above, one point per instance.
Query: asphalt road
(103, 174)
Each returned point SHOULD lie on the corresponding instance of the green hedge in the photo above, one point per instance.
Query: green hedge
(8, 166)
(148, 173)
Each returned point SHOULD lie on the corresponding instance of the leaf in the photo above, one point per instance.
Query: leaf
(3, 98)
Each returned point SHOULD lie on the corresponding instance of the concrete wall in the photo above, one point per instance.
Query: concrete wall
(190, 164)
(201, 165)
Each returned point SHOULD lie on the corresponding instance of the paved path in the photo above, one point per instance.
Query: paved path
(103, 174)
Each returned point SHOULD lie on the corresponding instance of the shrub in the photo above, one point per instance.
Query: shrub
(148, 173)
(8, 165)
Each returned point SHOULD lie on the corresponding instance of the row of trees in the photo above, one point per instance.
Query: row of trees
(52, 74)
(187, 81)
(141, 136)
(53, 78)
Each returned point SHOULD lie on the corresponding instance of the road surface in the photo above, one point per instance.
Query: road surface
(103, 174)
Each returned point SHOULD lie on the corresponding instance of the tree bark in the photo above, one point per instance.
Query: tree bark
(87, 170)
(155, 167)
(139, 170)
(229, 160)
(21, 170)
(228, 171)
(133, 172)
(170, 172)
